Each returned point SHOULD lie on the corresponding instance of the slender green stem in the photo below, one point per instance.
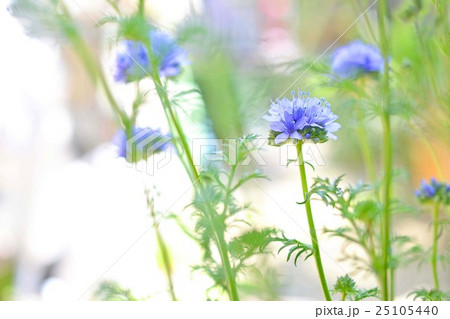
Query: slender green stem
(435, 245)
(167, 262)
(223, 250)
(385, 225)
(386, 216)
(312, 228)
(141, 7)
(193, 173)
(173, 119)
(230, 182)
(366, 19)
(365, 147)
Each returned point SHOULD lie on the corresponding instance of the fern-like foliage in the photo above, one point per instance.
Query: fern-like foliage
(430, 295)
(112, 291)
(297, 248)
(346, 286)
(361, 214)
(220, 220)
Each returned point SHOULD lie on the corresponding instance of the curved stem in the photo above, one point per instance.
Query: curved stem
(312, 228)
(385, 225)
(435, 245)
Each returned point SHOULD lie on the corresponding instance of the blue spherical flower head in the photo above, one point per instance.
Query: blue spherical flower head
(142, 143)
(433, 191)
(303, 118)
(356, 58)
(134, 63)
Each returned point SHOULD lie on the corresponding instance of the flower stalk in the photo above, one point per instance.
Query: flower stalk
(365, 147)
(312, 229)
(186, 157)
(434, 254)
(385, 225)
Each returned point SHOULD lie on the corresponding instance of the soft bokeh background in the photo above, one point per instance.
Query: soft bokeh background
(73, 215)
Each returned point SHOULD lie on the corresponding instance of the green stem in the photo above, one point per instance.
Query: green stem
(312, 229)
(386, 216)
(344, 296)
(366, 150)
(222, 246)
(167, 262)
(193, 173)
(141, 7)
(366, 19)
(230, 182)
(435, 245)
(385, 225)
(173, 119)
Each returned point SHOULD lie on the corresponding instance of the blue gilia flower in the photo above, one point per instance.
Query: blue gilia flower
(303, 118)
(433, 191)
(134, 63)
(356, 58)
(142, 143)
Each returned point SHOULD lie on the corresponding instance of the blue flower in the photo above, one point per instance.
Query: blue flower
(133, 62)
(287, 127)
(433, 190)
(302, 118)
(355, 58)
(142, 143)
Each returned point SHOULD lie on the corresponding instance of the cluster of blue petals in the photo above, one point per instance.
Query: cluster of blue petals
(134, 63)
(356, 58)
(433, 190)
(302, 118)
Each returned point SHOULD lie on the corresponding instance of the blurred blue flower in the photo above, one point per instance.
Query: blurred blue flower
(133, 62)
(142, 143)
(302, 118)
(356, 58)
(433, 190)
